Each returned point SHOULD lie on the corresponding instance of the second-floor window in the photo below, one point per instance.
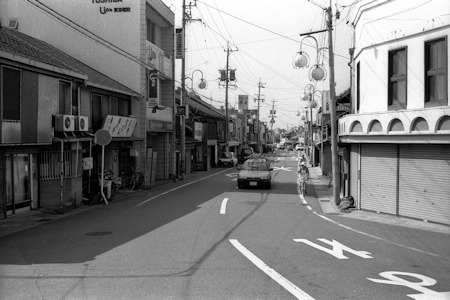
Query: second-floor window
(103, 105)
(436, 81)
(11, 93)
(65, 99)
(397, 79)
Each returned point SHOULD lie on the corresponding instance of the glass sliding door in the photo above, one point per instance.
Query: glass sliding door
(21, 181)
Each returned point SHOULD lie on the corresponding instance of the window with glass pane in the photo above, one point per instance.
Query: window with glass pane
(64, 98)
(436, 73)
(397, 79)
(114, 106)
(96, 111)
(11, 83)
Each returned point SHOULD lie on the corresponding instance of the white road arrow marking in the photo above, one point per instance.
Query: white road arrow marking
(232, 174)
(338, 248)
(282, 168)
(289, 286)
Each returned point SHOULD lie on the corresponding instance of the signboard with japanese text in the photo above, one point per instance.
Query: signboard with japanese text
(119, 126)
(243, 102)
(198, 131)
(325, 102)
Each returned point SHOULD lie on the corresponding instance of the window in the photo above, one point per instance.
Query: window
(150, 31)
(11, 94)
(104, 105)
(397, 79)
(64, 96)
(358, 86)
(436, 73)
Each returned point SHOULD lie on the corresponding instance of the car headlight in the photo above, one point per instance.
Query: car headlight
(265, 177)
(242, 177)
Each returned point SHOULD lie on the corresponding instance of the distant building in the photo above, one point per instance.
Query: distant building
(396, 141)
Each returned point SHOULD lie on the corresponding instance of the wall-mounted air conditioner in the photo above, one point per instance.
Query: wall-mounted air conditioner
(81, 123)
(64, 123)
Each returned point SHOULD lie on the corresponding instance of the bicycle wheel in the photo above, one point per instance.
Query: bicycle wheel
(139, 182)
(128, 183)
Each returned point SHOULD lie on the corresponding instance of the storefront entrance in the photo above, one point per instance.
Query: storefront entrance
(21, 182)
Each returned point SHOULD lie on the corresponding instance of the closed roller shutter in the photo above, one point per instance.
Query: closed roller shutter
(354, 172)
(379, 177)
(424, 191)
(2, 185)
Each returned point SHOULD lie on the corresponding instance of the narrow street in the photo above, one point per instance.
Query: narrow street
(204, 238)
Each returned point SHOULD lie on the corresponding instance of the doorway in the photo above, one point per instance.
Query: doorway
(21, 182)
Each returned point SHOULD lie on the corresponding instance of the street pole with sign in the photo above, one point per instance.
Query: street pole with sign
(103, 138)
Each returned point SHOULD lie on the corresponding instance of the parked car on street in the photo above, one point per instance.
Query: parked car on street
(255, 173)
(299, 147)
(227, 159)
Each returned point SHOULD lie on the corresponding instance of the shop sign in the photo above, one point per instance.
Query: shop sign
(198, 131)
(120, 126)
(325, 102)
(162, 126)
(105, 10)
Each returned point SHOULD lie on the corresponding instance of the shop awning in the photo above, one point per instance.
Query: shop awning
(75, 136)
(126, 139)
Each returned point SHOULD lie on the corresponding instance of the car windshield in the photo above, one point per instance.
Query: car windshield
(256, 166)
(225, 155)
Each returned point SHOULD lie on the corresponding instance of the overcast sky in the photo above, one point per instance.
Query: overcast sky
(266, 35)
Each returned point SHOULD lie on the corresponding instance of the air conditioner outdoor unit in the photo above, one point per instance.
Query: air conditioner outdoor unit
(81, 123)
(64, 123)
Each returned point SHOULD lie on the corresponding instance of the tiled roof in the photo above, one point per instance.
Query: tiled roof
(21, 44)
(16, 43)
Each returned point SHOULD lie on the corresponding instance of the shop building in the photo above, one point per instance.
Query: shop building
(396, 141)
(129, 41)
(49, 114)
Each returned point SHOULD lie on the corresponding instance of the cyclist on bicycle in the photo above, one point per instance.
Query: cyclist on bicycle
(303, 159)
(303, 173)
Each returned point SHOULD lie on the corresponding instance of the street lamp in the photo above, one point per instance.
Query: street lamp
(308, 96)
(201, 85)
(301, 60)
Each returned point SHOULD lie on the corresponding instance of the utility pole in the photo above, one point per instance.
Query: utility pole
(182, 100)
(183, 87)
(272, 120)
(333, 118)
(260, 85)
(227, 121)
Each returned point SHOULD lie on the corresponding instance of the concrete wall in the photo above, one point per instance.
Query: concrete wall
(392, 25)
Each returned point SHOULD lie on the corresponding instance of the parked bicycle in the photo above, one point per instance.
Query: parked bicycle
(135, 181)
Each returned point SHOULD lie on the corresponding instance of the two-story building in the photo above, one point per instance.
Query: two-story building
(398, 134)
(131, 42)
(48, 151)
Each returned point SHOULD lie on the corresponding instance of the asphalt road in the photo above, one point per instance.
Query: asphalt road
(206, 239)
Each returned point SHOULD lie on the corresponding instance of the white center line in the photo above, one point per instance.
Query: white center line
(289, 286)
(223, 207)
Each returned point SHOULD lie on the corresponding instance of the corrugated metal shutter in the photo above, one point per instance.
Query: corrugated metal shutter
(354, 156)
(379, 177)
(2, 185)
(424, 191)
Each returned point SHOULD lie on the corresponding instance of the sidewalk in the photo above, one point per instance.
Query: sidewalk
(326, 201)
(27, 218)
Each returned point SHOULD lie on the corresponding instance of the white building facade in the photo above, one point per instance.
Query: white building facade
(130, 41)
(396, 142)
